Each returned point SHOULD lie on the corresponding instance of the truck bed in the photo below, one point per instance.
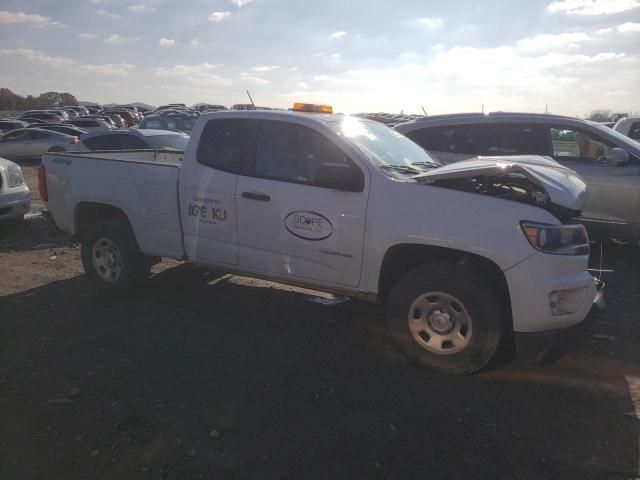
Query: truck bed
(157, 157)
(141, 183)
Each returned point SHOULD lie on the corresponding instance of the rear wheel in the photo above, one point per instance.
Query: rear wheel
(445, 317)
(111, 257)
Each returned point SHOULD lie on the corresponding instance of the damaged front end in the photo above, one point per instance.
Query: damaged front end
(533, 180)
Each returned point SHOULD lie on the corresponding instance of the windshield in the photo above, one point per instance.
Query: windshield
(168, 142)
(386, 147)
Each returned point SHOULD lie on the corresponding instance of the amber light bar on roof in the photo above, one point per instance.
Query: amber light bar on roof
(310, 107)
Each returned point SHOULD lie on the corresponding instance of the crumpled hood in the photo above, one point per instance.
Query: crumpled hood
(563, 185)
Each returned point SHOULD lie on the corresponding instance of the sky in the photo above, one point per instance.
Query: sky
(567, 56)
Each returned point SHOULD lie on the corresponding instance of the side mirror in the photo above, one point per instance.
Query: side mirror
(338, 176)
(617, 156)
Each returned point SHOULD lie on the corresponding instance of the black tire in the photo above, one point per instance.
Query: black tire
(133, 265)
(479, 304)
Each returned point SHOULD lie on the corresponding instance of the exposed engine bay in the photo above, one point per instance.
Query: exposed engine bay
(513, 186)
(531, 179)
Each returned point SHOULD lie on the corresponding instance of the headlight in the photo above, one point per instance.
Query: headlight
(557, 239)
(14, 175)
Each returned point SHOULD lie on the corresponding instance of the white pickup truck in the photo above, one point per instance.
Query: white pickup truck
(463, 256)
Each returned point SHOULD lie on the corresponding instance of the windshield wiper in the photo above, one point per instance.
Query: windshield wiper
(427, 164)
(400, 168)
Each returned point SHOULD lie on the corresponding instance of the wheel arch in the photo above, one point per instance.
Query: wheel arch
(89, 213)
(400, 259)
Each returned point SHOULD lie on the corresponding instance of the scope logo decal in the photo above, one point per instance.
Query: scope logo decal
(308, 225)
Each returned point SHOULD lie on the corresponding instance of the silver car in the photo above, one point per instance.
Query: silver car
(132, 139)
(15, 198)
(33, 142)
(608, 161)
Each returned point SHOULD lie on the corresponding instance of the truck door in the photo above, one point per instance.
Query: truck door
(286, 223)
(207, 192)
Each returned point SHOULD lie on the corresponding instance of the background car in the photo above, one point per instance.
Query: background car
(629, 126)
(183, 123)
(116, 119)
(15, 198)
(91, 124)
(6, 125)
(607, 160)
(129, 118)
(33, 142)
(42, 115)
(125, 139)
(67, 129)
(32, 121)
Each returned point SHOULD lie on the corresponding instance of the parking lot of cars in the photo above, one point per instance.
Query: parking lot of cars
(200, 373)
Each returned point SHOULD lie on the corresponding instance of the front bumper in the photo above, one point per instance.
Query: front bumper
(550, 292)
(14, 202)
(540, 346)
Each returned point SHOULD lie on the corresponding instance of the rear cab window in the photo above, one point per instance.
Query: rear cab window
(222, 143)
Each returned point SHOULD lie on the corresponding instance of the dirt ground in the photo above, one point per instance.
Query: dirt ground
(203, 375)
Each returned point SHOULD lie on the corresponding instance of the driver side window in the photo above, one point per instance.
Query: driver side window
(576, 145)
(293, 153)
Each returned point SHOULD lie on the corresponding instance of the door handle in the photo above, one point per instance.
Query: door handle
(256, 196)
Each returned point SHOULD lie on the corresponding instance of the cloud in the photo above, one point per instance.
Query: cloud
(550, 41)
(195, 42)
(38, 56)
(219, 16)
(252, 78)
(629, 27)
(104, 13)
(118, 69)
(602, 31)
(264, 68)
(198, 74)
(140, 8)
(70, 65)
(302, 85)
(166, 42)
(338, 34)
(114, 39)
(241, 3)
(592, 7)
(87, 36)
(321, 78)
(432, 23)
(7, 18)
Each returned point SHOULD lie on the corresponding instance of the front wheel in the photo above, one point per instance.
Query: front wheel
(445, 317)
(111, 258)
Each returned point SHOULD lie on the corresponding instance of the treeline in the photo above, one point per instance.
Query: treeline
(13, 102)
(604, 115)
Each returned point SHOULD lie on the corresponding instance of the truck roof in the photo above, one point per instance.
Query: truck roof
(318, 117)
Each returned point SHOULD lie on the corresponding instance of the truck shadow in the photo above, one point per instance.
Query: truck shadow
(201, 373)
